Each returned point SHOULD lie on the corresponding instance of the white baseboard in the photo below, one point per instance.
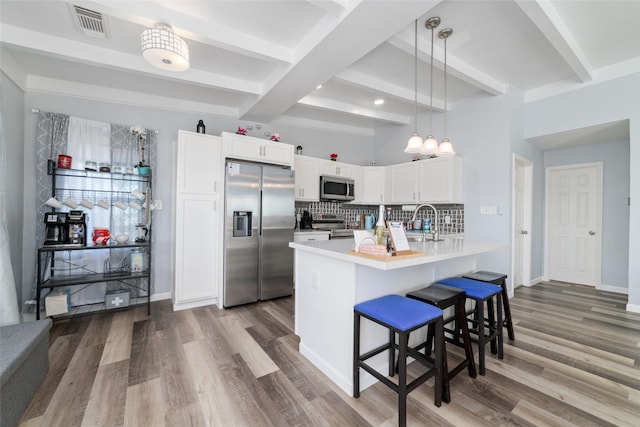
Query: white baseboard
(616, 289)
(634, 308)
(194, 304)
(533, 282)
(161, 296)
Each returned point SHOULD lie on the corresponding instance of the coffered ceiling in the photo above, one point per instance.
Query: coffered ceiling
(261, 61)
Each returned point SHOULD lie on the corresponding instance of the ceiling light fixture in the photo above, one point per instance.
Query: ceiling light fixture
(446, 148)
(379, 101)
(430, 146)
(319, 87)
(163, 49)
(414, 145)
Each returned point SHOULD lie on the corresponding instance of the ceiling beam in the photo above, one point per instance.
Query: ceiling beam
(125, 97)
(333, 7)
(90, 54)
(455, 66)
(365, 81)
(200, 30)
(344, 107)
(361, 30)
(546, 18)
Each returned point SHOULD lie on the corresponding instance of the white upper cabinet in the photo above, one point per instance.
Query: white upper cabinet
(307, 178)
(437, 180)
(404, 185)
(331, 168)
(260, 150)
(440, 180)
(372, 188)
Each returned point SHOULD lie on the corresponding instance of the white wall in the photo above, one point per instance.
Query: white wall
(13, 123)
(601, 103)
(482, 130)
(317, 143)
(615, 210)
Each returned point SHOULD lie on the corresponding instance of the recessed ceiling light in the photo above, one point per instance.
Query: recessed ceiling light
(319, 87)
(379, 101)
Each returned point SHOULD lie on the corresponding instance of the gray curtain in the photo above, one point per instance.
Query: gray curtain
(51, 140)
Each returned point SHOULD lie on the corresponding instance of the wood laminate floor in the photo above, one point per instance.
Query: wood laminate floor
(575, 361)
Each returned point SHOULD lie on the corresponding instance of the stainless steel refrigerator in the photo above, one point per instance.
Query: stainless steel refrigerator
(259, 223)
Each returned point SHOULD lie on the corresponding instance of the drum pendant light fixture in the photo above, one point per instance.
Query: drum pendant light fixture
(430, 146)
(164, 49)
(415, 142)
(446, 148)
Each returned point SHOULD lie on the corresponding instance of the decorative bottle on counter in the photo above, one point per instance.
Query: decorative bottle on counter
(200, 127)
(380, 227)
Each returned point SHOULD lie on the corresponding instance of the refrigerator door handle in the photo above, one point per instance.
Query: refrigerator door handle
(261, 213)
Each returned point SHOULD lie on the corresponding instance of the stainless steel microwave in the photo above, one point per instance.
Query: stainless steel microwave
(336, 188)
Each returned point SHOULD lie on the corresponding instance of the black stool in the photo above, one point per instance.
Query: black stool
(500, 280)
(400, 316)
(443, 297)
(482, 293)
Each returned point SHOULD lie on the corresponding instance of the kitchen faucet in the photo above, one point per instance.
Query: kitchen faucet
(434, 227)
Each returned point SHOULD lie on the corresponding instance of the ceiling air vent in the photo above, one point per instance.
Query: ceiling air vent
(90, 22)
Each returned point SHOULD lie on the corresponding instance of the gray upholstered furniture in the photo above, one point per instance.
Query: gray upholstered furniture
(24, 362)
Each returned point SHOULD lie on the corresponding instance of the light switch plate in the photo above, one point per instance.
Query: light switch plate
(488, 210)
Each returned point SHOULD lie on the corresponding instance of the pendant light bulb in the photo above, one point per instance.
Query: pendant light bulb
(430, 145)
(446, 148)
(414, 145)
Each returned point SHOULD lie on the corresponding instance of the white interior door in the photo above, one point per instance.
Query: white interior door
(522, 207)
(574, 223)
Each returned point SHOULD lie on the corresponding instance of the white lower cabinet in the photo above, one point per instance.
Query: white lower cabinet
(198, 210)
(306, 236)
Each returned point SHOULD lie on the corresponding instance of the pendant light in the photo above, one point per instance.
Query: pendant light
(446, 148)
(430, 145)
(415, 142)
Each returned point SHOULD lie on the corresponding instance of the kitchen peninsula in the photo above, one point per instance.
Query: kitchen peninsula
(330, 281)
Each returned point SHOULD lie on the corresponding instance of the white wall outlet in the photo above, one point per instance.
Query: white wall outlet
(447, 219)
(157, 205)
(488, 210)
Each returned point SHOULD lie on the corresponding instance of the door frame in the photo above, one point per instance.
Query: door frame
(527, 221)
(600, 190)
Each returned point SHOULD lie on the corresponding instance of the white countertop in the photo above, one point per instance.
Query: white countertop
(449, 248)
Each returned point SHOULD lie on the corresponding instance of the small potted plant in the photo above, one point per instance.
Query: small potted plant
(141, 133)
(241, 131)
(333, 156)
(275, 137)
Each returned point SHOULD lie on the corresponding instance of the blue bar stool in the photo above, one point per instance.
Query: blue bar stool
(443, 297)
(488, 329)
(500, 280)
(400, 316)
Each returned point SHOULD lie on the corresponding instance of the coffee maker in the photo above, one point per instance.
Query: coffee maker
(77, 228)
(57, 228)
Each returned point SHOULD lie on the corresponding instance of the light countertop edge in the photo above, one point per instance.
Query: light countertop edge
(450, 248)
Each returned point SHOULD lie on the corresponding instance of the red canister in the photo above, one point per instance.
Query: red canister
(64, 161)
(100, 236)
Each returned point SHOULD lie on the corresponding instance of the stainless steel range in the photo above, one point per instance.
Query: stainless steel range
(332, 223)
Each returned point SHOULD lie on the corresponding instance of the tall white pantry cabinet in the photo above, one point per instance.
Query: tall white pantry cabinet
(199, 209)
